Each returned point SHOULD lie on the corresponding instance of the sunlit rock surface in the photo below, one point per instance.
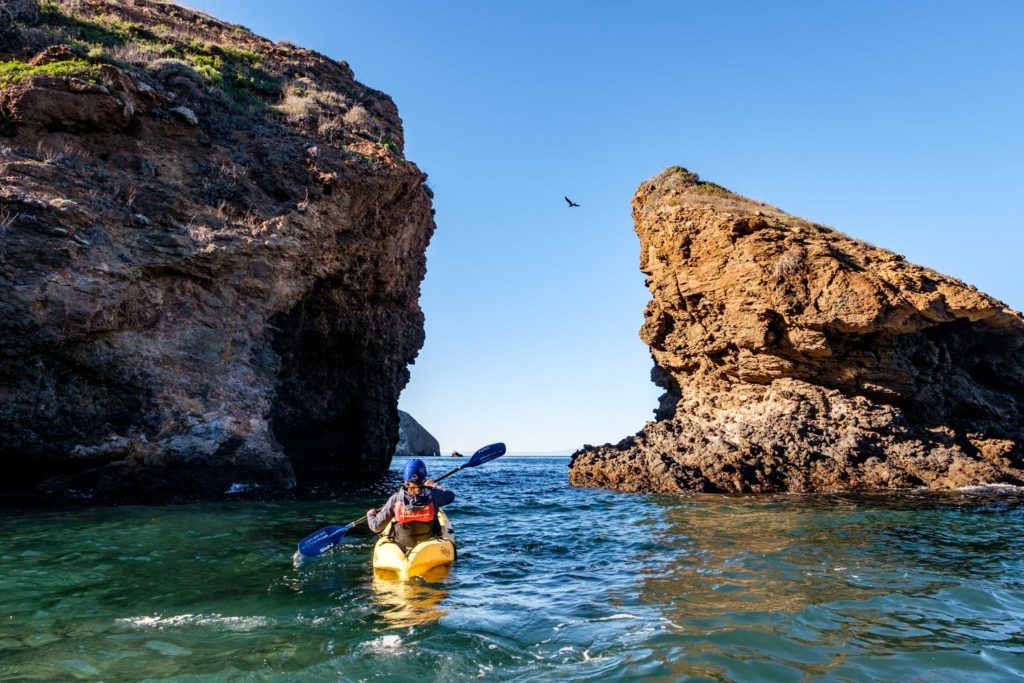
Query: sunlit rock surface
(795, 358)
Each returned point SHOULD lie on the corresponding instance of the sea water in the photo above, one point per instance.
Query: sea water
(552, 584)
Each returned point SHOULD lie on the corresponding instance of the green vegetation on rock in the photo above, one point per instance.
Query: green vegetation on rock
(106, 30)
(14, 71)
(689, 177)
(247, 85)
(112, 39)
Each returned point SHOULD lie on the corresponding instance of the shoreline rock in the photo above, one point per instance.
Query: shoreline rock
(213, 248)
(797, 359)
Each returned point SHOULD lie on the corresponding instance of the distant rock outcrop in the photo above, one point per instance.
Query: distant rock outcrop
(212, 248)
(795, 358)
(414, 440)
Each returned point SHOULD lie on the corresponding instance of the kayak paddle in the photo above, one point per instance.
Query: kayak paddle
(485, 454)
(322, 540)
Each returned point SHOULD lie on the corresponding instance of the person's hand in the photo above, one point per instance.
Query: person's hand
(429, 483)
(371, 512)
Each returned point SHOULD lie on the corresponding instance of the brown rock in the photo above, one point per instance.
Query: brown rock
(187, 298)
(54, 53)
(67, 104)
(795, 358)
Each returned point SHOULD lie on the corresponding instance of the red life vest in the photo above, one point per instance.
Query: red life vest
(404, 515)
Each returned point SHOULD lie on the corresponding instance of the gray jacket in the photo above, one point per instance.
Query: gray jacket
(437, 495)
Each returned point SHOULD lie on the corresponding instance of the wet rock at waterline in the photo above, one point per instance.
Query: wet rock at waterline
(414, 440)
(795, 358)
(211, 257)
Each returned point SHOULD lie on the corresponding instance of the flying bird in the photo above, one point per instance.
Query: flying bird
(570, 202)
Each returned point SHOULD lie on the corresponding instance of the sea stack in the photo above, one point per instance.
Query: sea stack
(414, 440)
(795, 358)
(212, 253)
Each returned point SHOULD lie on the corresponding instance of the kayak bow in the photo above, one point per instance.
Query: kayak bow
(436, 552)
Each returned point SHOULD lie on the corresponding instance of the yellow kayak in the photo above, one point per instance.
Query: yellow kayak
(389, 558)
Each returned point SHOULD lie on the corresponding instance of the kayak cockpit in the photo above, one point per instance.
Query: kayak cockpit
(389, 558)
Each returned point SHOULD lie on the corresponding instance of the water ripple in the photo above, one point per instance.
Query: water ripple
(552, 583)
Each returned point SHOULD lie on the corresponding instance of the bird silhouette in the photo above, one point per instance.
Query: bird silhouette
(570, 202)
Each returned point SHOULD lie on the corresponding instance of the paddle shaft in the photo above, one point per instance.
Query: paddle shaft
(485, 454)
(449, 473)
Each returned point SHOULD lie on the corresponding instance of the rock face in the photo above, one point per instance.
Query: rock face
(795, 358)
(413, 439)
(211, 258)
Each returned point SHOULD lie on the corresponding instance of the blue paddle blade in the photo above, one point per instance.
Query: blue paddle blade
(319, 542)
(486, 454)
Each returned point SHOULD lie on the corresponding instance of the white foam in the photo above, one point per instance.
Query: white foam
(384, 643)
(992, 488)
(215, 621)
(618, 616)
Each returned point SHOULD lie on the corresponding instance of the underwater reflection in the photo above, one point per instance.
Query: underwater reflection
(834, 585)
(740, 559)
(415, 602)
(785, 555)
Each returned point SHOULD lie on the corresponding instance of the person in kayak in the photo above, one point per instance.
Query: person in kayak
(413, 507)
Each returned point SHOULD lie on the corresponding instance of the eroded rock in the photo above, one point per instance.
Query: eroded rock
(795, 358)
(188, 298)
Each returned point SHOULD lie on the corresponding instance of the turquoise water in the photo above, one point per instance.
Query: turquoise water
(552, 584)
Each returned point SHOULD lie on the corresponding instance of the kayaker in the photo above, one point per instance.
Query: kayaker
(413, 507)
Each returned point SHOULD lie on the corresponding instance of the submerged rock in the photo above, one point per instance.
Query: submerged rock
(795, 358)
(210, 269)
(413, 439)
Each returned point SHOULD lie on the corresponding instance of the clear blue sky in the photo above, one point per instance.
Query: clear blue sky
(901, 123)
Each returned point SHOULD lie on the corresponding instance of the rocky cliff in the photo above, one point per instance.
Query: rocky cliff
(211, 257)
(413, 439)
(795, 358)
